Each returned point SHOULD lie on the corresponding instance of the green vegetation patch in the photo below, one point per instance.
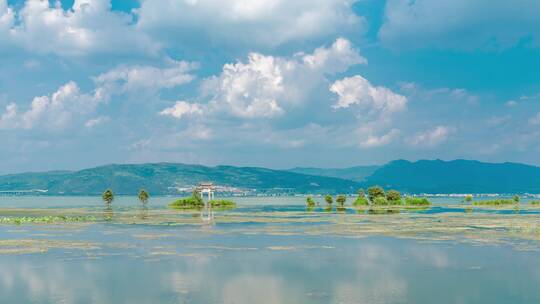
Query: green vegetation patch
(20, 220)
(187, 203)
(360, 201)
(310, 202)
(417, 201)
(497, 202)
(223, 204)
(195, 201)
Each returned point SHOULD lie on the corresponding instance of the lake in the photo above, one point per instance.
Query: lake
(268, 250)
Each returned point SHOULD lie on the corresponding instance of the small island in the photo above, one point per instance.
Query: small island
(376, 197)
(196, 202)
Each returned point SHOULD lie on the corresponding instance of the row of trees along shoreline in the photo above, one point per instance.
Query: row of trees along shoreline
(108, 196)
(193, 201)
(376, 196)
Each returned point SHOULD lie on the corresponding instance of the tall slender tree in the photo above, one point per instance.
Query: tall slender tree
(143, 196)
(108, 196)
(341, 199)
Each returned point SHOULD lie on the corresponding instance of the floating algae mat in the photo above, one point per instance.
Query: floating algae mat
(266, 251)
(444, 223)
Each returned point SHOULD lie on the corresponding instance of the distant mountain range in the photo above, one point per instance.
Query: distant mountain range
(167, 178)
(425, 176)
(357, 173)
(457, 176)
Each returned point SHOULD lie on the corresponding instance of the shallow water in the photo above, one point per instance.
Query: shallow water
(269, 250)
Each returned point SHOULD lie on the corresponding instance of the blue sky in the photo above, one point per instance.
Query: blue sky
(274, 83)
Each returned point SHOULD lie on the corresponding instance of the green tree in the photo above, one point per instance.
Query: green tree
(197, 197)
(516, 198)
(361, 201)
(143, 196)
(380, 201)
(393, 196)
(341, 199)
(329, 200)
(374, 192)
(310, 201)
(108, 196)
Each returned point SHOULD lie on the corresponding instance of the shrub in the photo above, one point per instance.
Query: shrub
(516, 198)
(534, 202)
(380, 201)
(197, 197)
(394, 197)
(187, 203)
(361, 201)
(468, 198)
(417, 201)
(341, 199)
(310, 201)
(374, 192)
(195, 201)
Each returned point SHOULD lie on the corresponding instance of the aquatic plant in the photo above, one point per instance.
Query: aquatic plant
(417, 201)
(143, 196)
(20, 220)
(341, 199)
(329, 199)
(374, 192)
(383, 211)
(310, 202)
(497, 202)
(107, 196)
(221, 203)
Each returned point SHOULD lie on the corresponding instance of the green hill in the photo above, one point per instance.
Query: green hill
(357, 173)
(425, 176)
(165, 178)
(457, 176)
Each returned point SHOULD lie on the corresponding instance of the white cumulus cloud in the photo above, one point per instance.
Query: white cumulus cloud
(182, 108)
(373, 141)
(241, 22)
(358, 90)
(430, 138)
(88, 27)
(265, 86)
(53, 111)
(138, 77)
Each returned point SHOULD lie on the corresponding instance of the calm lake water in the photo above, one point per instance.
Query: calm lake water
(234, 263)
